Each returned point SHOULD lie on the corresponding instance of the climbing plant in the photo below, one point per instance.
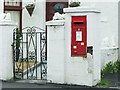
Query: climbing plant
(103, 83)
(17, 44)
(74, 4)
(111, 67)
(17, 38)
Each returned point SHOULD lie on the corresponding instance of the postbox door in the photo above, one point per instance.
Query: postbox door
(79, 36)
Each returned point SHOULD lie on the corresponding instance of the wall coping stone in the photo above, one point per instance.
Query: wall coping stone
(81, 9)
(7, 23)
(55, 23)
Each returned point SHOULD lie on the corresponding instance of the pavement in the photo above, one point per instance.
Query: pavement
(36, 84)
(112, 78)
(22, 84)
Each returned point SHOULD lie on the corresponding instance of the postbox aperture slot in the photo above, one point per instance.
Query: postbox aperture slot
(76, 23)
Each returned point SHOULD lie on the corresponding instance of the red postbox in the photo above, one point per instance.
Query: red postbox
(79, 36)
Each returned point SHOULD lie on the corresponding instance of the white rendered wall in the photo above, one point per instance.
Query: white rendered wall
(108, 19)
(107, 55)
(108, 27)
(55, 51)
(119, 29)
(78, 70)
(6, 56)
(38, 16)
(61, 67)
(1, 6)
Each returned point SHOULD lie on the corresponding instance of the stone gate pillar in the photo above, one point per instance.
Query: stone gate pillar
(82, 50)
(79, 66)
(55, 51)
(6, 55)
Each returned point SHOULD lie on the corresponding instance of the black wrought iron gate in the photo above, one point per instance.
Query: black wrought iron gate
(29, 53)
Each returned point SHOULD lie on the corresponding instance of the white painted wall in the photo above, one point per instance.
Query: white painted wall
(107, 55)
(83, 71)
(6, 34)
(55, 51)
(38, 16)
(119, 29)
(6, 60)
(108, 27)
(62, 68)
(1, 6)
(108, 18)
(108, 23)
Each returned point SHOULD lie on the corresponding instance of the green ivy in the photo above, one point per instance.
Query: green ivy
(17, 38)
(103, 83)
(111, 67)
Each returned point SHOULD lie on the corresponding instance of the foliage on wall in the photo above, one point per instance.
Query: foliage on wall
(103, 83)
(111, 67)
(74, 4)
(17, 38)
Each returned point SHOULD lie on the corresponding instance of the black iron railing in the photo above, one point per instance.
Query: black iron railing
(31, 60)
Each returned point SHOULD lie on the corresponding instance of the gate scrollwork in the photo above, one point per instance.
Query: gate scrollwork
(33, 54)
